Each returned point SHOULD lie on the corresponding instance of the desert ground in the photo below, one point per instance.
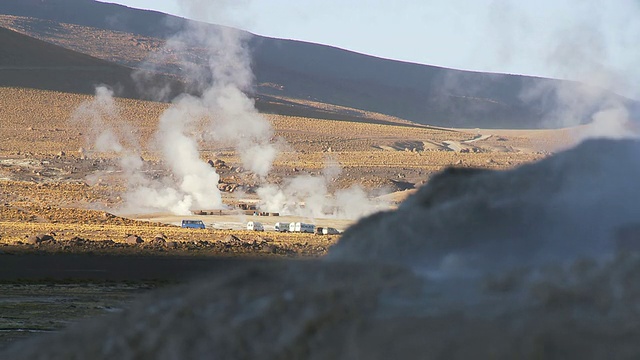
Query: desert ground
(53, 181)
(62, 219)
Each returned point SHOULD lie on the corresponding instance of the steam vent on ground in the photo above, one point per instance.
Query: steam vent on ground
(537, 262)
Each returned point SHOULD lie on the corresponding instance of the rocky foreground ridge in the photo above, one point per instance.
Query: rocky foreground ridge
(535, 262)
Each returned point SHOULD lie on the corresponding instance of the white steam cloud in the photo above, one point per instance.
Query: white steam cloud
(106, 131)
(191, 182)
(180, 152)
(585, 41)
(223, 114)
(311, 197)
(225, 81)
(231, 115)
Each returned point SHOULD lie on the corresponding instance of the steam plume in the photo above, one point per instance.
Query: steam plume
(230, 113)
(225, 81)
(222, 103)
(105, 128)
(311, 197)
(585, 41)
(108, 132)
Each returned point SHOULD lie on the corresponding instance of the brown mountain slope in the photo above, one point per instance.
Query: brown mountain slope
(53, 63)
(292, 69)
(20, 52)
(32, 63)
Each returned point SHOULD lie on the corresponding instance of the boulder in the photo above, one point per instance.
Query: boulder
(76, 240)
(37, 239)
(32, 240)
(171, 244)
(232, 240)
(268, 248)
(134, 240)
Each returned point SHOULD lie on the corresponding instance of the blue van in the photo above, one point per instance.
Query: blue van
(193, 224)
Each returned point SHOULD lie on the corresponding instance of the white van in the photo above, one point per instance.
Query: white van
(301, 227)
(281, 226)
(330, 231)
(254, 226)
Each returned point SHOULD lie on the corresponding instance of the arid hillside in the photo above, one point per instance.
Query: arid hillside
(49, 165)
(71, 231)
(127, 164)
(40, 123)
(32, 63)
(297, 70)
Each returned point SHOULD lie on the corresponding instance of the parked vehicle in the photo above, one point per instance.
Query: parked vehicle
(301, 227)
(319, 230)
(193, 224)
(255, 226)
(281, 227)
(330, 231)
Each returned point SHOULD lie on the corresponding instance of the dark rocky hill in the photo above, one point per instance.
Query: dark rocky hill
(32, 63)
(29, 62)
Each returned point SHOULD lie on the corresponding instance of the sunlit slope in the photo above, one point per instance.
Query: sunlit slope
(293, 69)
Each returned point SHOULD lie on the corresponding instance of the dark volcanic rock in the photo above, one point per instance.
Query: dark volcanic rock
(171, 244)
(158, 241)
(232, 240)
(40, 238)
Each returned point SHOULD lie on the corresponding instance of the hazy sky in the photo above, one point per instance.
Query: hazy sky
(587, 40)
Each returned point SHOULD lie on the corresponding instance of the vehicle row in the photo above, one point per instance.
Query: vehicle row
(298, 227)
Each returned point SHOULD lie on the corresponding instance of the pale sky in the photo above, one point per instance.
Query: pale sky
(587, 40)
